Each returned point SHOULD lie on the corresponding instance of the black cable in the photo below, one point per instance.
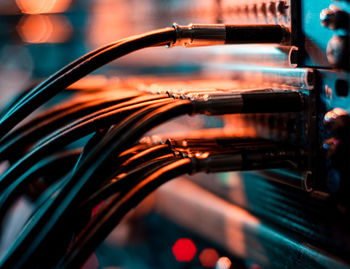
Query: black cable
(125, 155)
(33, 90)
(121, 203)
(137, 163)
(131, 105)
(97, 137)
(128, 131)
(192, 35)
(220, 143)
(254, 154)
(97, 165)
(59, 206)
(69, 134)
(19, 112)
(51, 113)
(125, 180)
(145, 156)
(81, 179)
(38, 228)
(34, 130)
(116, 208)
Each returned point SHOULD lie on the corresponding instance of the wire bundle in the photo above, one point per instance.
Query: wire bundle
(85, 152)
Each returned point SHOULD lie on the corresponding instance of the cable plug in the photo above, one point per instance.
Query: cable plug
(260, 101)
(194, 35)
(240, 160)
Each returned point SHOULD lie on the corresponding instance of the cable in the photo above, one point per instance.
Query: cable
(128, 132)
(30, 92)
(57, 209)
(255, 155)
(34, 130)
(124, 180)
(130, 106)
(220, 143)
(124, 134)
(121, 203)
(97, 137)
(145, 156)
(118, 206)
(207, 104)
(187, 146)
(69, 134)
(14, 116)
(192, 35)
(132, 151)
(51, 113)
(97, 164)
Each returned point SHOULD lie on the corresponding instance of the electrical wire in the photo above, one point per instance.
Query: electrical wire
(96, 161)
(38, 231)
(71, 133)
(250, 151)
(191, 35)
(34, 90)
(36, 130)
(125, 155)
(116, 208)
(145, 156)
(124, 180)
(124, 200)
(89, 64)
(51, 113)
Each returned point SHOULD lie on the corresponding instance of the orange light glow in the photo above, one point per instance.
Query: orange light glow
(209, 257)
(224, 263)
(44, 29)
(43, 6)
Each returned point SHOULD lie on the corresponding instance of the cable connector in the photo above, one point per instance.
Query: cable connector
(261, 101)
(242, 160)
(194, 35)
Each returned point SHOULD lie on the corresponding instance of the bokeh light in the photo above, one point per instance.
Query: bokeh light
(209, 257)
(254, 266)
(223, 263)
(44, 29)
(43, 6)
(184, 250)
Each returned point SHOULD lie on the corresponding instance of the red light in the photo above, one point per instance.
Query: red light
(209, 257)
(184, 250)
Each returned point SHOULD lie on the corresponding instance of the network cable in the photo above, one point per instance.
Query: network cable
(116, 125)
(43, 125)
(98, 165)
(137, 189)
(192, 35)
